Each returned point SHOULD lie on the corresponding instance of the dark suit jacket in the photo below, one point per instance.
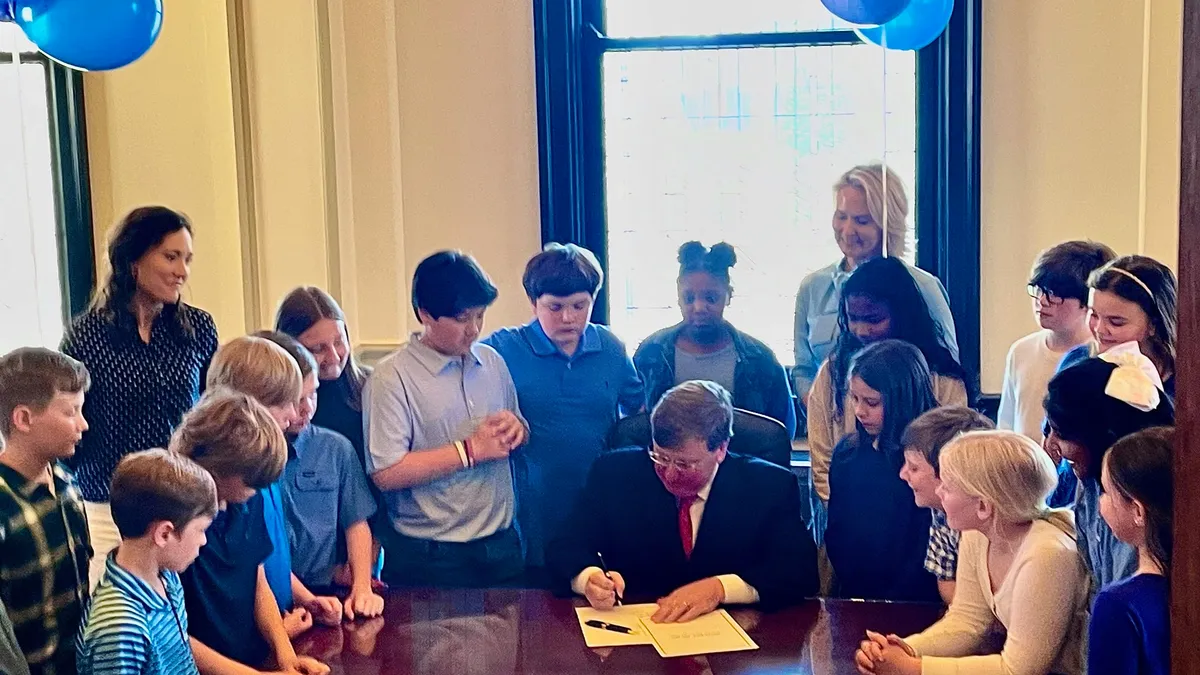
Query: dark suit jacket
(751, 527)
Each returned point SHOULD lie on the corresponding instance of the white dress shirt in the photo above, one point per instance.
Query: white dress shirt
(737, 591)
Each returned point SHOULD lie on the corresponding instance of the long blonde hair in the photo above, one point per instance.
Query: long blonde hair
(869, 180)
(1007, 470)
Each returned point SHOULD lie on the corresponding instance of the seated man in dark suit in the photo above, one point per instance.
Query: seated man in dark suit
(688, 522)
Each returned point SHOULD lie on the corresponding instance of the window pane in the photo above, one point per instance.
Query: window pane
(643, 18)
(31, 309)
(13, 40)
(741, 145)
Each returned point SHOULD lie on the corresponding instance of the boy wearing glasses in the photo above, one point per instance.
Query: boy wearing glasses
(1058, 288)
(688, 522)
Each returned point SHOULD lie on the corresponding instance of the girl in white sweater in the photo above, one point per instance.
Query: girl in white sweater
(1017, 566)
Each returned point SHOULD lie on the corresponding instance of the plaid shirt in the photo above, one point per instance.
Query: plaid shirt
(941, 559)
(43, 591)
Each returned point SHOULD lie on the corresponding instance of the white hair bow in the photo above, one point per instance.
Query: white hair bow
(1135, 380)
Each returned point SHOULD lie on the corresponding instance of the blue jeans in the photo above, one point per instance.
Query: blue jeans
(489, 562)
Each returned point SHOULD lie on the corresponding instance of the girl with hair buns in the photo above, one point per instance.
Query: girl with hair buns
(1089, 407)
(871, 208)
(1017, 566)
(704, 346)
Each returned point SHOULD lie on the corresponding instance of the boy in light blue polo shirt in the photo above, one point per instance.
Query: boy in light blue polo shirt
(327, 501)
(440, 418)
(162, 503)
(574, 379)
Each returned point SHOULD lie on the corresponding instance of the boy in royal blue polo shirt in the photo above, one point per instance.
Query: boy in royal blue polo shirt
(262, 369)
(162, 503)
(327, 501)
(232, 613)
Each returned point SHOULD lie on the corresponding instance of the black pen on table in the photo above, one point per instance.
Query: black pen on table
(604, 569)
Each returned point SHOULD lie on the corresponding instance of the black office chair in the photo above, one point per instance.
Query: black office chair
(754, 435)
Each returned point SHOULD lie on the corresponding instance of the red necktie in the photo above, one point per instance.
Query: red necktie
(685, 524)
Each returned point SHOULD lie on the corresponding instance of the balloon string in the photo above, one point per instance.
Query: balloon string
(886, 201)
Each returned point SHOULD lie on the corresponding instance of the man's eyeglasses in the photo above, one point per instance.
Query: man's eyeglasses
(663, 460)
(1039, 293)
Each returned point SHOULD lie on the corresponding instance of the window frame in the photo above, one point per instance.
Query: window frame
(569, 51)
(72, 186)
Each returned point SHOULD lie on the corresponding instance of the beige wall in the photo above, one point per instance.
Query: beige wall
(313, 144)
(279, 126)
(161, 131)
(1080, 140)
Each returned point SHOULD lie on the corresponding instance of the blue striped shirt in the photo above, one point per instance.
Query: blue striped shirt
(129, 629)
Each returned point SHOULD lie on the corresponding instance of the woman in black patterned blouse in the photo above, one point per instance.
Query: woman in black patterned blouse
(147, 352)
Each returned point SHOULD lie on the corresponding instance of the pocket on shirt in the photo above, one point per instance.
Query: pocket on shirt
(823, 330)
(315, 482)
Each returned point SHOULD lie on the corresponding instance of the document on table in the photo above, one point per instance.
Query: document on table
(627, 616)
(712, 633)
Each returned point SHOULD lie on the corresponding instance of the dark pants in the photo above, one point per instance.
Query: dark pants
(493, 561)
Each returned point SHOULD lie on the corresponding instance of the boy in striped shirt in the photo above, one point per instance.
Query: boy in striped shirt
(162, 503)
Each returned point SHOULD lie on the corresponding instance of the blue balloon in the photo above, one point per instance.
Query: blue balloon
(6, 11)
(91, 34)
(918, 25)
(866, 12)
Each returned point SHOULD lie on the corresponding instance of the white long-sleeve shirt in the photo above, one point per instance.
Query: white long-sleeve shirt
(1028, 369)
(1041, 603)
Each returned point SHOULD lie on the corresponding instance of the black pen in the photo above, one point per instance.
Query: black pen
(604, 568)
(596, 623)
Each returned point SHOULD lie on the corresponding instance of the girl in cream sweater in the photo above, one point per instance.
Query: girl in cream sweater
(1017, 566)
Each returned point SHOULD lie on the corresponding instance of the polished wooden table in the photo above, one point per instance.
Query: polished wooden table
(497, 632)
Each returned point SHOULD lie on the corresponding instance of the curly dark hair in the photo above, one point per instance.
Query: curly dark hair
(694, 257)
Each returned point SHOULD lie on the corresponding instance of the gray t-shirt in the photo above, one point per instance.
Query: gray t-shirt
(12, 661)
(418, 399)
(717, 366)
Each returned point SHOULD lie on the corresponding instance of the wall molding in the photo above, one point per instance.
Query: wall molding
(243, 137)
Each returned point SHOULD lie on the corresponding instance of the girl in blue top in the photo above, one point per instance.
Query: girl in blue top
(1130, 628)
(1089, 407)
(877, 535)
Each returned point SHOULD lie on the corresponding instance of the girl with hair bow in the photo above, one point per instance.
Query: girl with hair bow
(1089, 407)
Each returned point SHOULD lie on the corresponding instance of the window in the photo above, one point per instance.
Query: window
(662, 121)
(39, 152)
(739, 145)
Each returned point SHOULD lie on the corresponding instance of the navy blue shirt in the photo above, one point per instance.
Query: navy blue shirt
(1130, 630)
(140, 390)
(877, 536)
(570, 404)
(220, 586)
(334, 412)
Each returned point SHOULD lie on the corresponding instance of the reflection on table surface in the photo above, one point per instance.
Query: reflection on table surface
(494, 632)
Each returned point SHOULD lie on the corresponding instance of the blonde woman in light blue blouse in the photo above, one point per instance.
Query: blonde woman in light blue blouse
(861, 200)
